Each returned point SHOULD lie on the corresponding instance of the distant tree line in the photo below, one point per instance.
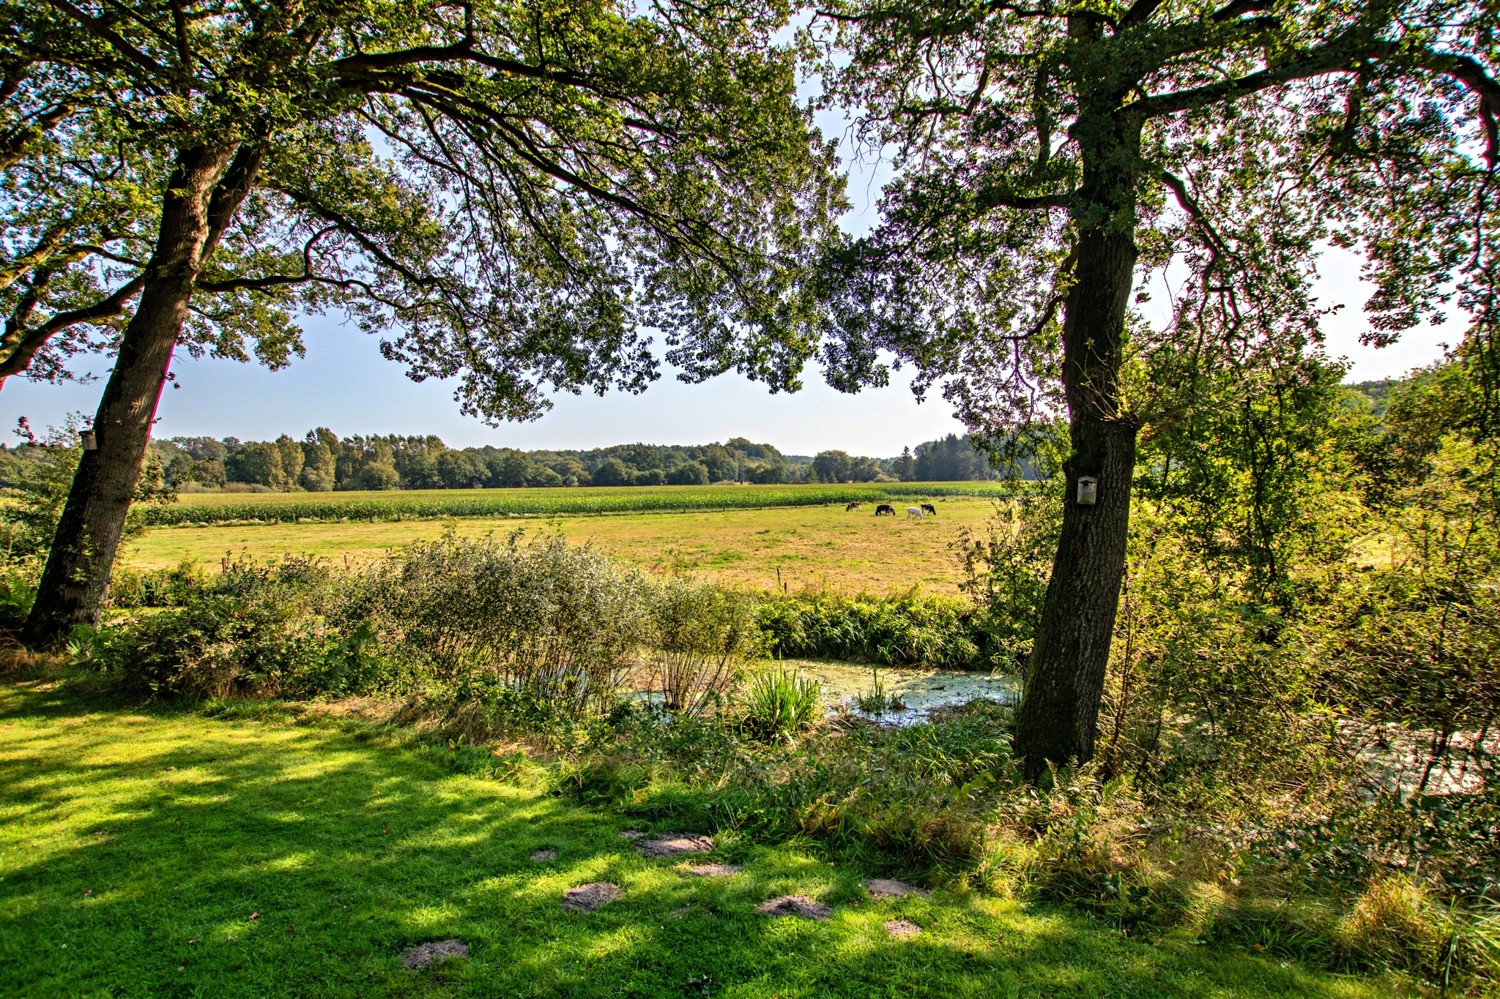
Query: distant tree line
(322, 461)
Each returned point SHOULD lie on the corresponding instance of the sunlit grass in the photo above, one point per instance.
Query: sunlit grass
(166, 853)
(794, 548)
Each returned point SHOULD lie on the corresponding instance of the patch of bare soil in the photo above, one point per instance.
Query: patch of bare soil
(794, 905)
(886, 888)
(673, 845)
(714, 870)
(901, 929)
(632, 834)
(422, 955)
(587, 898)
(542, 856)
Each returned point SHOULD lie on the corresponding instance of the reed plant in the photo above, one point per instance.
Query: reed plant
(781, 704)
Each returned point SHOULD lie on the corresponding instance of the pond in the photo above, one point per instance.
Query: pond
(919, 691)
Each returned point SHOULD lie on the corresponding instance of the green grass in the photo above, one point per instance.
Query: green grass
(813, 547)
(220, 508)
(165, 853)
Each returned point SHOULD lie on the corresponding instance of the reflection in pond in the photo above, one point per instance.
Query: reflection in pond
(921, 691)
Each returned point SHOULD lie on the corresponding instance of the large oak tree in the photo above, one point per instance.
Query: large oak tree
(508, 192)
(1059, 162)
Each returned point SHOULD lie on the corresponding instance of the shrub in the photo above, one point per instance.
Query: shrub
(1006, 570)
(550, 621)
(258, 629)
(700, 636)
(17, 592)
(900, 631)
(154, 587)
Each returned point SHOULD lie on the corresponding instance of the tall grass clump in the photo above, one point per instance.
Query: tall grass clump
(780, 705)
(917, 800)
(1397, 923)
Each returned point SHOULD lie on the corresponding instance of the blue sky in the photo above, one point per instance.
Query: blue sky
(343, 383)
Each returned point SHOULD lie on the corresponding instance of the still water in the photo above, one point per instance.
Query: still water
(920, 690)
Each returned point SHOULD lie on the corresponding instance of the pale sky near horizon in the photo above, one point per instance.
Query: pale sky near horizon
(344, 384)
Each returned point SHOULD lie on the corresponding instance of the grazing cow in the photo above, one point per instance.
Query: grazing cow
(885, 508)
(929, 508)
(853, 506)
(913, 511)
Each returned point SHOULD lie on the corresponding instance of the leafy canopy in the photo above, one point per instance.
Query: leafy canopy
(507, 191)
(1250, 134)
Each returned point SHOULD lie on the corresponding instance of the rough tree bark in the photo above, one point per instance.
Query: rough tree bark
(77, 571)
(1057, 719)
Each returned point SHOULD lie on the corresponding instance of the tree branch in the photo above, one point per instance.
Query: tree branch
(273, 280)
(365, 65)
(101, 30)
(1345, 54)
(1235, 8)
(230, 192)
(1139, 12)
(30, 341)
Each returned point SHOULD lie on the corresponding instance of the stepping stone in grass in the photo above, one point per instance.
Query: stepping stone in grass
(422, 955)
(794, 905)
(885, 888)
(587, 898)
(673, 844)
(542, 856)
(632, 834)
(714, 870)
(901, 929)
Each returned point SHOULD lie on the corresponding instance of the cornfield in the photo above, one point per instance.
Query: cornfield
(203, 509)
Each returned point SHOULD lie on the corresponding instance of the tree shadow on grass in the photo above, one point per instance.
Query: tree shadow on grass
(162, 853)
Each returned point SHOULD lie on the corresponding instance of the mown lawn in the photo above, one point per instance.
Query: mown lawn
(165, 853)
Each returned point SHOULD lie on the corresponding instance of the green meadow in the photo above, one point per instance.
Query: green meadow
(803, 546)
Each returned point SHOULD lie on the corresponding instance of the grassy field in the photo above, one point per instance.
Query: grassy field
(810, 546)
(165, 853)
(218, 508)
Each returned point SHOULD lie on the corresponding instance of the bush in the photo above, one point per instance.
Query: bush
(495, 634)
(547, 620)
(257, 630)
(902, 631)
(17, 592)
(154, 587)
(1006, 570)
(700, 637)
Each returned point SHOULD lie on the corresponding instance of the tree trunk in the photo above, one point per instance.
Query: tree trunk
(88, 534)
(1057, 719)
